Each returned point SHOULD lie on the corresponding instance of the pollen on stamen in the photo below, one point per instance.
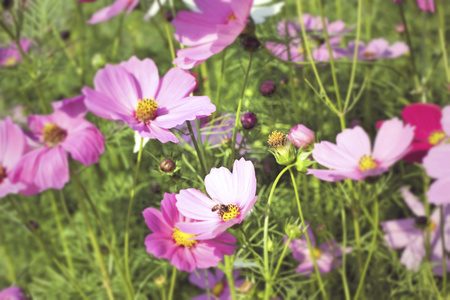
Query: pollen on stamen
(183, 239)
(277, 139)
(52, 134)
(317, 253)
(436, 136)
(367, 163)
(233, 212)
(368, 54)
(232, 16)
(146, 110)
(2, 174)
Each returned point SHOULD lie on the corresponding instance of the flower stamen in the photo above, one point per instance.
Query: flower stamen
(2, 174)
(232, 16)
(146, 110)
(233, 211)
(368, 54)
(217, 290)
(183, 239)
(277, 139)
(367, 163)
(435, 137)
(317, 253)
(52, 134)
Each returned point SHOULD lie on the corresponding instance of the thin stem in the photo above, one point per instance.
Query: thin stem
(229, 274)
(130, 206)
(197, 148)
(172, 282)
(219, 84)
(344, 253)
(208, 290)
(248, 244)
(168, 33)
(440, 11)
(238, 111)
(280, 260)
(118, 35)
(308, 240)
(444, 256)
(291, 70)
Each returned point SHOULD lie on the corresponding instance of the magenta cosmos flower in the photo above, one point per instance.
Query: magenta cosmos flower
(301, 136)
(233, 195)
(132, 92)
(11, 56)
(209, 32)
(56, 136)
(410, 233)
(183, 250)
(352, 155)
(215, 282)
(425, 5)
(113, 10)
(12, 293)
(325, 254)
(437, 164)
(378, 49)
(314, 30)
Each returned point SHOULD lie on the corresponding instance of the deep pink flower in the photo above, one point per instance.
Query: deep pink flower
(56, 136)
(209, 32)
(425, 5)
(437, 165)
(114, 9)
(325, 254)
(235, 191)
(183, 250)
(12, 293)
(11, 56)
(352, 156)
(410, 233)
(301, 136)
(132, 92)
(215, 282)
(378, 49)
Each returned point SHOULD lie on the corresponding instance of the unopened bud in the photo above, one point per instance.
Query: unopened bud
(167, 165)
(249, 120)
(7, 4)
(33, 225)
(155, 187)
(250, 44)
(301, 136)
(246, 287)
(169, 16)
(400, 28)
(267, 88)
(293, 231)
(64, 34)
(98, 61)
(160, 281)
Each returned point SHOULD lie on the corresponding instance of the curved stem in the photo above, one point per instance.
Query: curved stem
(197, 148)
(344, 253)
(172, 282)
(280, 260)
(308, 240)
(229, 274)
(168, 33)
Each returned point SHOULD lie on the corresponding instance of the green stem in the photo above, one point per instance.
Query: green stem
(229, 274)
(440, 11)
(172, 282)
(238, 111)
(308, 240)
(117, 38)
(219, 84)
(197, 148)
(167, 28)
(344, 253)
(291, 71)
(280, 260)
(444, 256)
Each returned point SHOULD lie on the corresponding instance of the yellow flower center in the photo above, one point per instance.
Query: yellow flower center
(146, 110)
(2, 174)
(367, 163)
(232, 213)
(52, 134)
(232, 16)
(436, 136)
(317, 253)
(432, 226)
(182, 238)
(10, 62)
(368, 54)
(277, 139)
(217, 290)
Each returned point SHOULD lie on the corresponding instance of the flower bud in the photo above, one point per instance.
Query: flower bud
(155, 187)
(400, 28)
(33, 225)
(283, 150)
(301, 136)
(64, 34)
(284, 80)
(249, 120)
(293, 231)
(7, 4)
(98, 61)
(169, 16)
(246, 287)
(160, 281)
(267, 88)
(167, 165)
(250, 44)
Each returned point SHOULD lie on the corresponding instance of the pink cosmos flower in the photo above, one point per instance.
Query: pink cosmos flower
(233, 195)
(425, 5)
(12, 293)
(183, 250)
(11, 56)
(209, 32)
(325, 254)
(301, 136)
(410, 233)
(114, 9)
(352, 156)
(215, 282)
(56, 136)
(132, 92)
(437, 165)
(314, 29)
(378, 49)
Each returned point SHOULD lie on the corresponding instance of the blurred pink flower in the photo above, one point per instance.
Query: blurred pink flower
(114, 9)
(211, 31)
(183, 250)
(410, 233)
(55, 136)
(437, 165)
(132, 92)
(325, 254)
(215, 282)
(236, 192)
(11, 56)
(425, 5)
(378, 49)
(352, 156)
(301, 136)
(12, 293)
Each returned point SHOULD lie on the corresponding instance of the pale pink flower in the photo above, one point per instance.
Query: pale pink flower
(11, 56)
(378, 49)
(301, 136)
(425, 5)
(12, 293)
(235, 192)
(132, 92)
(352, 156)
(183, 250)
(437, 165)
(112, 10)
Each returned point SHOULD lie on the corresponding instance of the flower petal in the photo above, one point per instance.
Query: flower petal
(146, 74)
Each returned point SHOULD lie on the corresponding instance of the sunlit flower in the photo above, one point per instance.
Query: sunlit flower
(11, 56)
(437, 165)
(233, 195)
(112, 10)
(326, 254)
(410, 233)
(215, 282)
(183, 250)
(12, 293)
(352, 156)
(132, 92)
(56, 136)
(209, 32)
(378, 49)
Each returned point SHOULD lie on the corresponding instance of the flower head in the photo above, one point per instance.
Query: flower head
(378, 49)
(182, 249)
(12, 293)
(437, 165)
(233, 195)
(215, 282)
(210, 31)
(112, 10)
(301, 136)
(11, 56)
(283, 150)
(352, 157)
(132, 92)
